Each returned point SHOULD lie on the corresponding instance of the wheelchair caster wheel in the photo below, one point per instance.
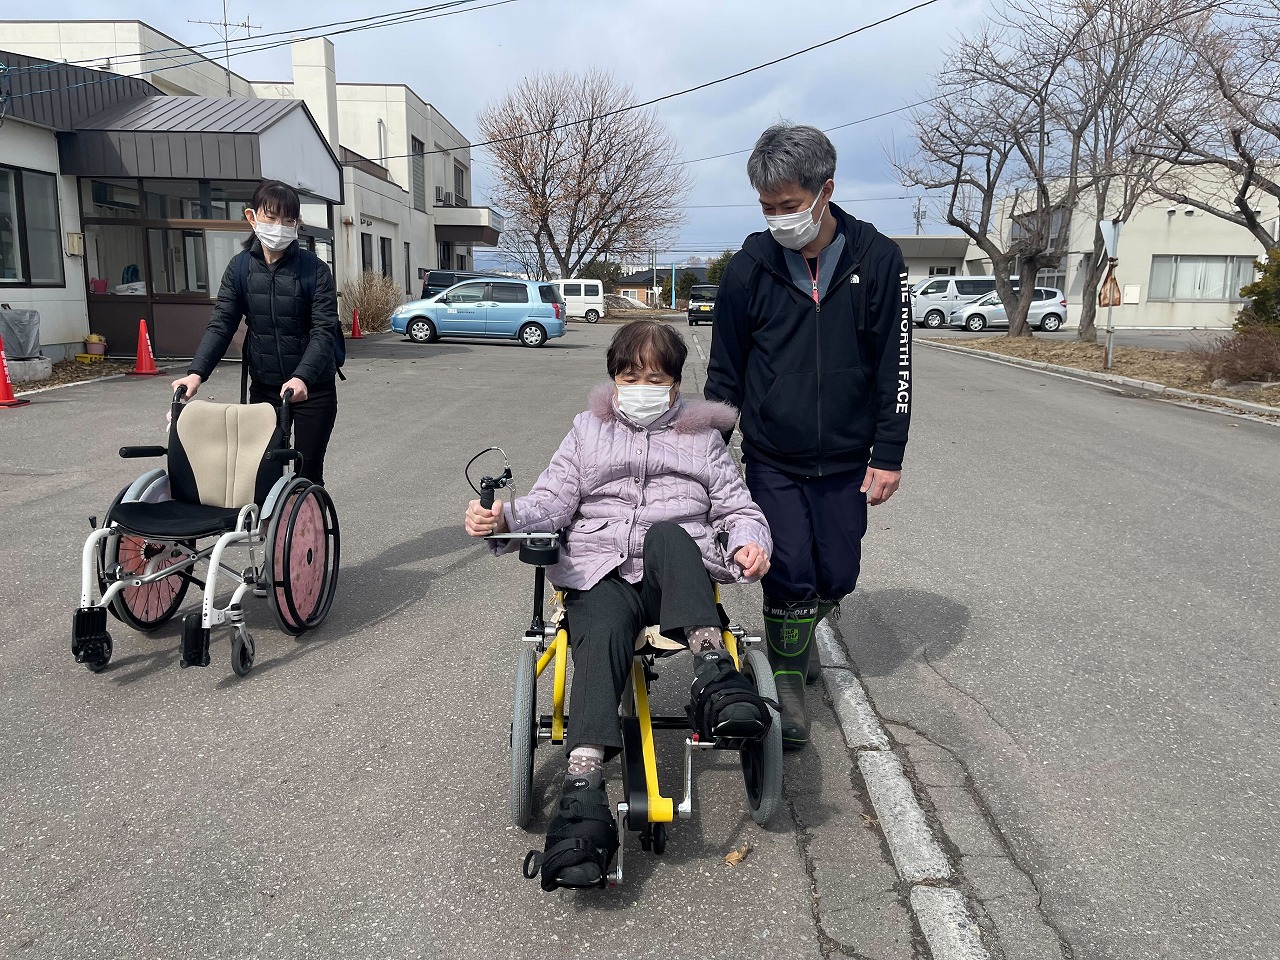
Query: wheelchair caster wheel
(646, 839)
(90, 642)
(242, 650)
(659, 838)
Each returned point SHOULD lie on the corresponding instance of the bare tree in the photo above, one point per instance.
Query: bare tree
(1222, 142)
(579, 173)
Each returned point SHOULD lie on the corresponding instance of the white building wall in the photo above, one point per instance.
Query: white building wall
(64, 315)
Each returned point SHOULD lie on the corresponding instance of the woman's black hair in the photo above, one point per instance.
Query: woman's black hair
(279, 200)
(646, 343)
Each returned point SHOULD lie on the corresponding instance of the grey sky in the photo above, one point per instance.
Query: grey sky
(459, 63)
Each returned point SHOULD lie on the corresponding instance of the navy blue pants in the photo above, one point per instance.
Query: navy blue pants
(817, 525)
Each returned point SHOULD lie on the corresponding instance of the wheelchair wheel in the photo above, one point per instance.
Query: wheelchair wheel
(303, 547)
(242, 650)
(762, 762)
(147, 607)
(524, 737)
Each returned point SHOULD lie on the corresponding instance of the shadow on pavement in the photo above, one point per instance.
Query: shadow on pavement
(886, 628)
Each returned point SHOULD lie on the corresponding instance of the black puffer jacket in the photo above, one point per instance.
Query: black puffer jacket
(287, 336)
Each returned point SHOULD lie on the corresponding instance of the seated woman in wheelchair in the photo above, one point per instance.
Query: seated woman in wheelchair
(654, 510)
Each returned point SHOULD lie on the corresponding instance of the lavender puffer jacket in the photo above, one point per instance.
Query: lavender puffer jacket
(612, 479)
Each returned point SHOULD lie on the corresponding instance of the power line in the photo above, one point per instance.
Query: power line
(680, 93)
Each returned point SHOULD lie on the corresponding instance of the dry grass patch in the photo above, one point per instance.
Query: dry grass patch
(1172, 368)
(73, 371)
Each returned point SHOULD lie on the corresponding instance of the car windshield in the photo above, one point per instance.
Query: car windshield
(703, 293)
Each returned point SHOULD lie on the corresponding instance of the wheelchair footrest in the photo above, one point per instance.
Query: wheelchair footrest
(90, 642)
(195, 641)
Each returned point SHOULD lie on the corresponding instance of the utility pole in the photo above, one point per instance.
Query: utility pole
(919, 214)
(224, 30)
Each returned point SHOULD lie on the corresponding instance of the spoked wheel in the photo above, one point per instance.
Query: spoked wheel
(762, 762)
(303, 547)
(524, 737)
(150, 605)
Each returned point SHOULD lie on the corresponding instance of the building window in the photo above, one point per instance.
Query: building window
(418, 173)
(1190, 278)
(444, 255)
(460, 185)
(30, 229)
(942, 271)
(366, 252)
(462, 261)
(179, 262)
(384, 257)
(408, 270)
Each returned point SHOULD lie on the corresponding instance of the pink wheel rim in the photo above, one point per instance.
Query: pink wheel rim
(307, 562)
(150, 601)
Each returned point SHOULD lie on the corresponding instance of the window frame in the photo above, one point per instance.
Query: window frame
(22, 234)
(386, 257)
(1175, 261)
(366, 252)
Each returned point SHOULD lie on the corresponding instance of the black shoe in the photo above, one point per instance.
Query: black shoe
(723, 704)
(789, 633)
(581, 840)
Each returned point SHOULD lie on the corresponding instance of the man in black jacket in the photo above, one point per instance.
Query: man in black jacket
(811, 341)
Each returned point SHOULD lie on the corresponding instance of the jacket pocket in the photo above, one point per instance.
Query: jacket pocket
(848, 410)
(788, 415)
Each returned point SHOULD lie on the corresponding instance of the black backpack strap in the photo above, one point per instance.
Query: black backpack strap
(241, 282)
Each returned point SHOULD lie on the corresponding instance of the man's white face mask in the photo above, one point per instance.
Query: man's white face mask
(795, 231)
(643, 403)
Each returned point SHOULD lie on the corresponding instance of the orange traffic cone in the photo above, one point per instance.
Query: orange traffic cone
(145, 365)
(356, 333)
(7, 399)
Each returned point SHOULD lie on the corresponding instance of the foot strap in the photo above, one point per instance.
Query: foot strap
(581, 840)
(723, 703)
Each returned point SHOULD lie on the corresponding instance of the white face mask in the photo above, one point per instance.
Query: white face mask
(795, 231)
(643, 403)
(274, 236)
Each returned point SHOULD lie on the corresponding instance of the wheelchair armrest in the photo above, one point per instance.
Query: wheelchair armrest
(137, 453)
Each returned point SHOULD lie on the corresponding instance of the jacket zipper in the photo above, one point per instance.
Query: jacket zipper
(275, 327)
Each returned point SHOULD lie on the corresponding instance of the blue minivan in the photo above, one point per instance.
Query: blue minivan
(529, 311)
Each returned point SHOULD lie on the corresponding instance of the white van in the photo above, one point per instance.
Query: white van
(933, 303)
(583, 298)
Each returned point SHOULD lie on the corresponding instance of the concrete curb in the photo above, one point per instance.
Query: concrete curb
(944, 917)
(1111, 379)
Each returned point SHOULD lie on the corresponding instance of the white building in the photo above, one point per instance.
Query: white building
(385, 178)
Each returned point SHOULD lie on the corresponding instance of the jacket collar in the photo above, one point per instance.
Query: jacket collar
(255, 249)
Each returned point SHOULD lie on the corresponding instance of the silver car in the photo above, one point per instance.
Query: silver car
(1048, 312)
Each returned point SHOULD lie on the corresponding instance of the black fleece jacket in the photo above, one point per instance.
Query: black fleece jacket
(823, 388)
(286, 336)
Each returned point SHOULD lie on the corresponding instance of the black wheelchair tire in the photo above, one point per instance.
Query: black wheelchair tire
(659, 839)
(241, 652)
(97, 666)
(762, 762)
(524, 737)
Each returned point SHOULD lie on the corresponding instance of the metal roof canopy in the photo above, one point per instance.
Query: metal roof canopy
(933, 248)
(206, 138)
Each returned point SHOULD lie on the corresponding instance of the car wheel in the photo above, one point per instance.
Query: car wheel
(975, 323)
(592, 316)
(532, 335)
(421, 330)
(933, 319)
(1051, 323)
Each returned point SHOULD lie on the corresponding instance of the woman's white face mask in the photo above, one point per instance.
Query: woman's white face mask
(644, 403)
(274, 236)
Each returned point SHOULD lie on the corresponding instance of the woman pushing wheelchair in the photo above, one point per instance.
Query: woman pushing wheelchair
(654, 510)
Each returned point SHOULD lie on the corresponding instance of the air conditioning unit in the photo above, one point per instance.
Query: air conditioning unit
(440, 194)
(448, 199)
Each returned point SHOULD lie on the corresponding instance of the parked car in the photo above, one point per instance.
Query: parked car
(438, 281)
(530, 311)
(1048, 312)
(584, 298)
(938, 299)
(702, 300)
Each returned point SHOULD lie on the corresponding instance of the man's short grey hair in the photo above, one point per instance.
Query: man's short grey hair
(792, 153)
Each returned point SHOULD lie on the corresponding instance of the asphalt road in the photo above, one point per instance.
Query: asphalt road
(349, 797)
(1075, 595)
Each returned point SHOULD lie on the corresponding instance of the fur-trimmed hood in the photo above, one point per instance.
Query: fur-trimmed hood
(685, 416)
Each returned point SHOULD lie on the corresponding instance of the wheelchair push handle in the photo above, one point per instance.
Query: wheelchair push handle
(490, 485)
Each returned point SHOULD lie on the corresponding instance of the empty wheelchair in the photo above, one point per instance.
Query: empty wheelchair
(644, 809)
(230, 482)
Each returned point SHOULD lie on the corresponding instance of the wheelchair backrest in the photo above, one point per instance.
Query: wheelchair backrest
(217, 453)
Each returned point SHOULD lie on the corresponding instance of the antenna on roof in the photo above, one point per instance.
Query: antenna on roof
(224, 30)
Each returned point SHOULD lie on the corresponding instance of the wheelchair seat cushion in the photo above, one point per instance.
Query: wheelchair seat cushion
(724, 703)
(174, 520)
(217, 453)
(581, 840)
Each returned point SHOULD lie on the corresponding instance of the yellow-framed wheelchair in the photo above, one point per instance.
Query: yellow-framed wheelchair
(644, 808)
(229, 480)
